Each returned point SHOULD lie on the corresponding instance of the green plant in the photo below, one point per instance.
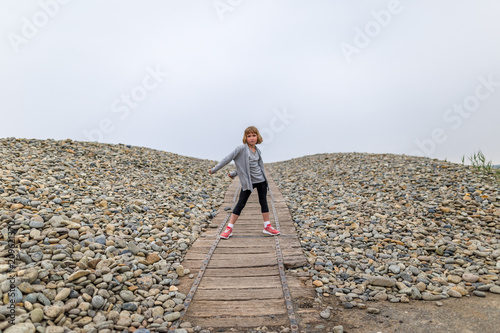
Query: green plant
(478, 161)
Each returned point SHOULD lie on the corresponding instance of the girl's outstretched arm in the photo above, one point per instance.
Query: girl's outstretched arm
(226, 159)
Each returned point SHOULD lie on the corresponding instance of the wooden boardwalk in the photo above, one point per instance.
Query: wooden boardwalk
(241, 287)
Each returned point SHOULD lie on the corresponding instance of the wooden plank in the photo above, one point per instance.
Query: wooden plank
(240, 242)
(194, 264)
(247, 242)
(255, 307)
(240, 321)
(239, 254)
(222, 250)
(230, 263)
(242, 272)
(238, 294)
(237, 282)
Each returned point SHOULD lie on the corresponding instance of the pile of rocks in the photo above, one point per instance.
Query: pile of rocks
(394, 227)
(99, 232)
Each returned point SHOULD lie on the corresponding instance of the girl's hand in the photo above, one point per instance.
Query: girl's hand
(230, 176)
(210, 171)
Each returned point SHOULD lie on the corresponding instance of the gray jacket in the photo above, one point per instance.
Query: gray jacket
(242, 164)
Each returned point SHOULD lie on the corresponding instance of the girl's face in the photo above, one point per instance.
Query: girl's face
(252, 138)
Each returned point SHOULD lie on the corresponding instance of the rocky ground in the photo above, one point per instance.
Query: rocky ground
(394, 228)
(99, 231)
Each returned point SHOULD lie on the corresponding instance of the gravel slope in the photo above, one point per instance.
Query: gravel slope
(394, 227)
(99, 232)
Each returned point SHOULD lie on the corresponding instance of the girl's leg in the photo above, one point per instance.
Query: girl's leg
(262, 190)
(242, 200)
(265, 216)
(236, 213)
(268, 229)
(233, 218)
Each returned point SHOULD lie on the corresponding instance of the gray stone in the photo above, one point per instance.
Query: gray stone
(127, 295)
(431, 297)
(21, 328)
(454, 293)
(338, 329)
(53, 311)
(130, 306)
(97, 301)
(54, 329)
(133, 248)
(395, 269)
(172, 316)
(36, 224)
(18, 295)
(382, 281)
(325, 314)
(36, 315)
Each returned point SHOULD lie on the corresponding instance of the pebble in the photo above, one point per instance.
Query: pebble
(36, 315)
(130, 306)
(382, 281)
(18, 295)
(97, 301)
(25, 288)
(469, 277)
(325, 314)
(454, 293)
(36, 224)
(454, 279)
(127, 295)
(431, 297)
(54, 329)
(338, 329)
(53, 311)
(62, 295)
(21, 328)
(172, 316)
(395, 269)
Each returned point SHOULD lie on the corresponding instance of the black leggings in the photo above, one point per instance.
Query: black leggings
(261, 189)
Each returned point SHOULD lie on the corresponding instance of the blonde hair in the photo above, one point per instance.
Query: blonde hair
(252, 129)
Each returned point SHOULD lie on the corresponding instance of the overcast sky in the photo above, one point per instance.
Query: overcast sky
(315, 76)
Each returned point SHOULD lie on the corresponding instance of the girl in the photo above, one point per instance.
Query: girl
(250, 167)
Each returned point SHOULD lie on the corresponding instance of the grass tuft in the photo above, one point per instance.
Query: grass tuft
(479, 162)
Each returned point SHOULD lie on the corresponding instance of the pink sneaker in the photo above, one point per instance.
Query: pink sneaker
(270, 230)
(228, 233)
